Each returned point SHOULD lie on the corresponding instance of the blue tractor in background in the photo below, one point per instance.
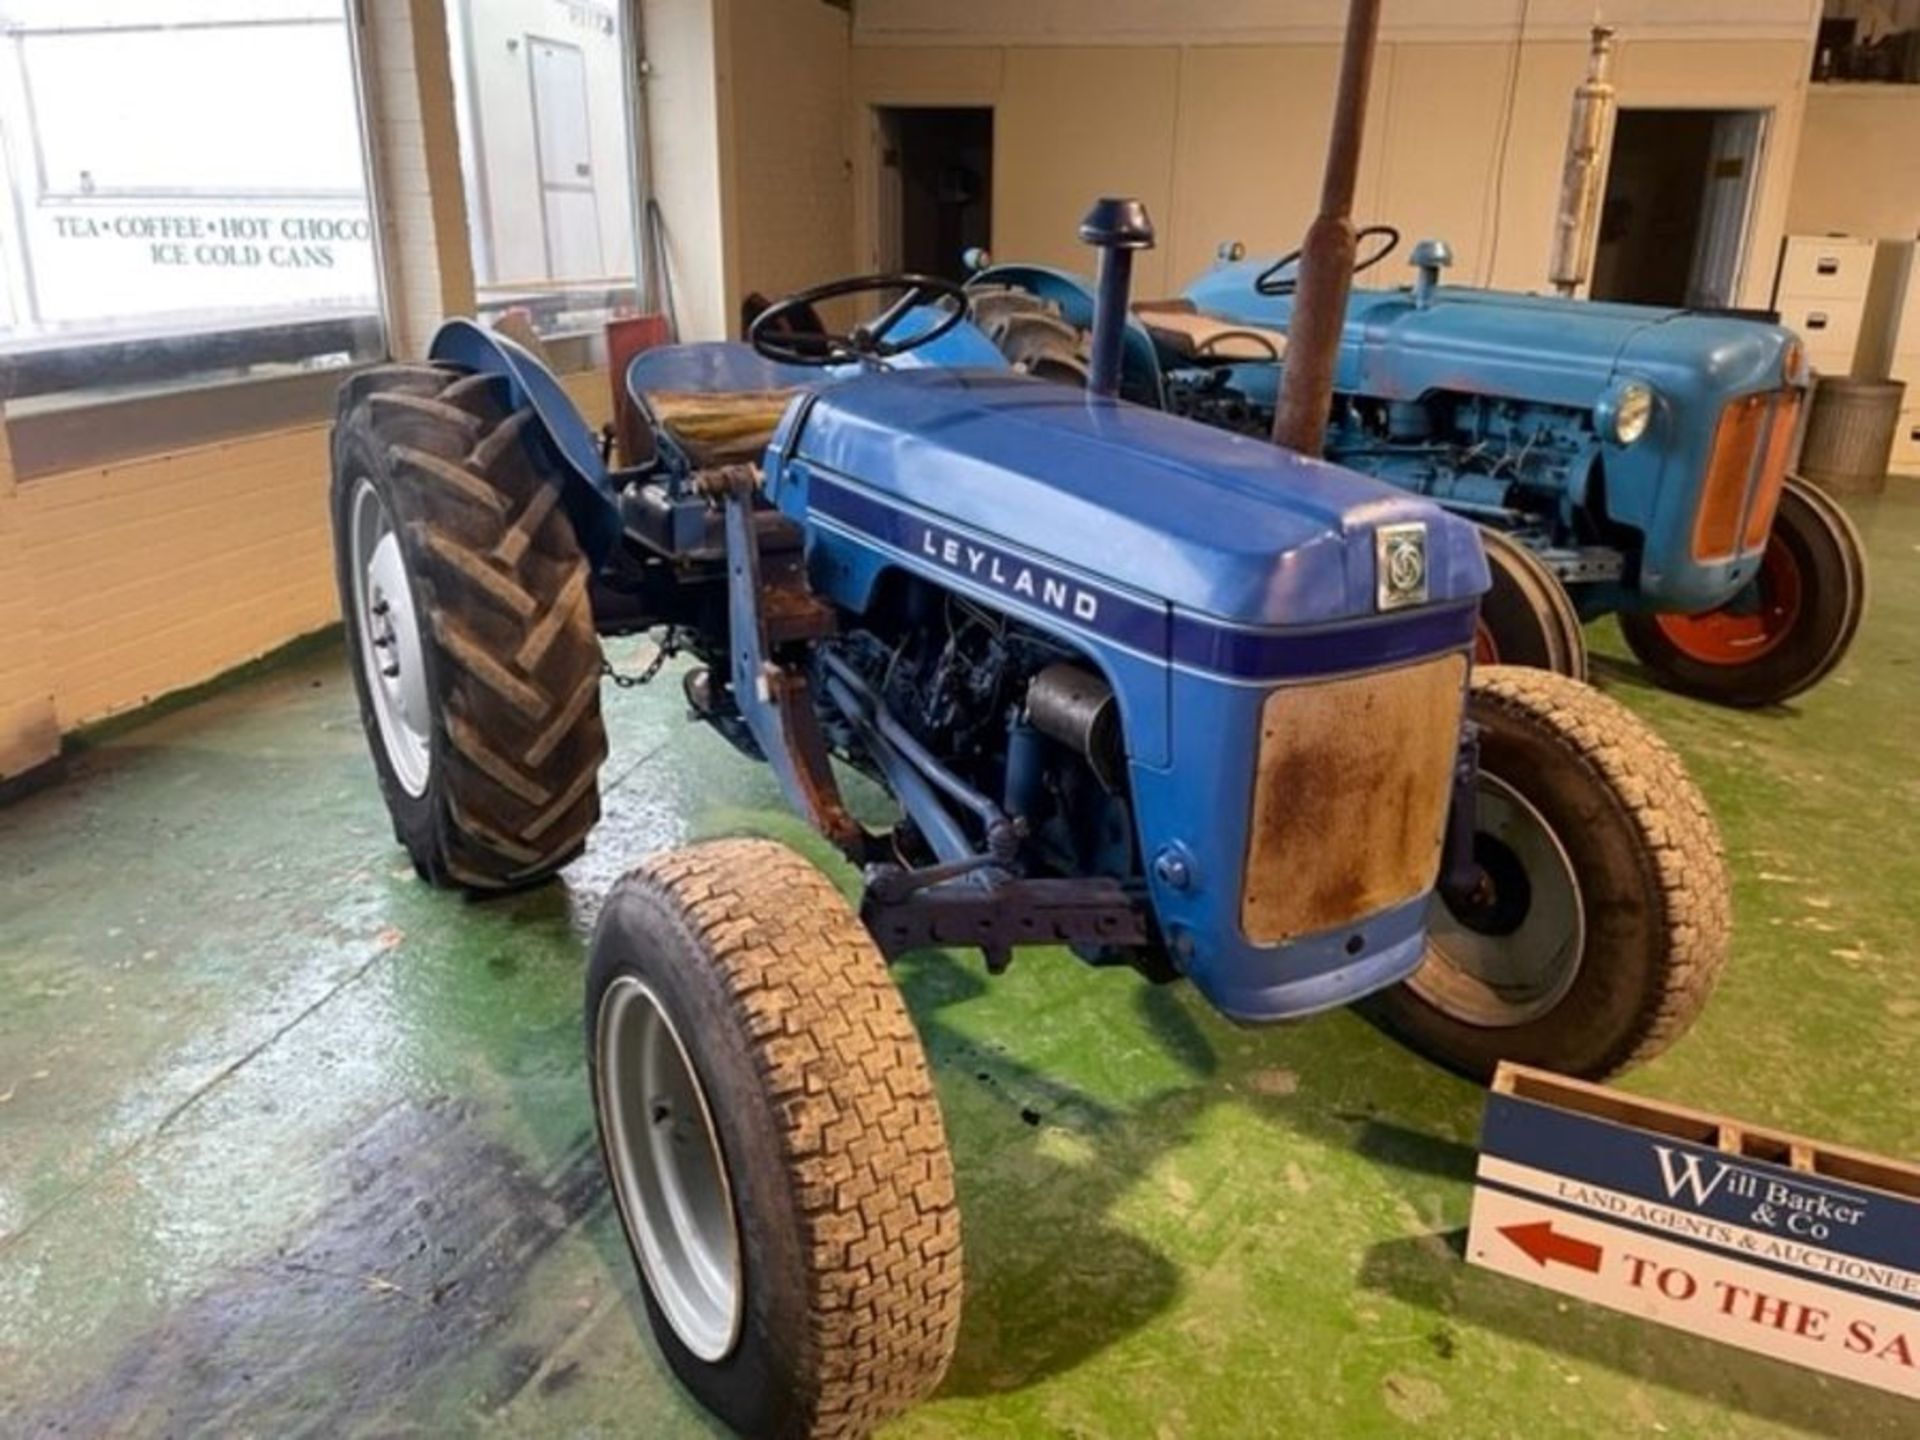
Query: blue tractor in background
(1622, 459)
(1171, 697)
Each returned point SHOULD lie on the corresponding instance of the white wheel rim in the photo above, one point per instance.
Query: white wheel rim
(390, 649)
(1497, 981)
(669, 1177)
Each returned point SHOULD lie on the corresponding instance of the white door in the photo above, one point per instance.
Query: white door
(569, 207)
(1726, 207)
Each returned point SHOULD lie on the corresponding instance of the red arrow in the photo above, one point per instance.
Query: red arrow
(1542, 1243)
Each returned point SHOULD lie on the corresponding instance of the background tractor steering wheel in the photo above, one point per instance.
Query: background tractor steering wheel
(774, 335)
(1275, 279)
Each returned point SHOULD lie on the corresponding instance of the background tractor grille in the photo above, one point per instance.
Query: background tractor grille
(1751, 446)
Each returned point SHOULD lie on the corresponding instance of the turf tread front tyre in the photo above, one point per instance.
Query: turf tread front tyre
(501, 589)
(1652, 965)
(811, 1066)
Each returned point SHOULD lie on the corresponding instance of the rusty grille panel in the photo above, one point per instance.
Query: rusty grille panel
(1773, 470)
(1744, 473)
(1350, 797)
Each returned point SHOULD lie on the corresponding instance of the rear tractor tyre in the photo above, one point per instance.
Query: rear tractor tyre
(469, 627)
(1527, 618)
(1790, 628)
(774, 1144)
(1031, 334)
(1604, 916)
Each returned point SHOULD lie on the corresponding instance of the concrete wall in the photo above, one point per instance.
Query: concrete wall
(1218, 116)
(1859, 170)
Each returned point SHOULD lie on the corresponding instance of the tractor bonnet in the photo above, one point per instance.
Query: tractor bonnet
(1213, 523)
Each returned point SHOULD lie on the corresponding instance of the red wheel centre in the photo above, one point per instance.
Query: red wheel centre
(1739, 633)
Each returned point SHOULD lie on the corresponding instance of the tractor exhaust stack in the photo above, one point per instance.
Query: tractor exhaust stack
(1326, 259)
(1116, 228)
(1579, 206)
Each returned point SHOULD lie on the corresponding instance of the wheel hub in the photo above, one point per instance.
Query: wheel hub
(1754, 623)
(1509, 951)
(390, 646)
(669, 1175)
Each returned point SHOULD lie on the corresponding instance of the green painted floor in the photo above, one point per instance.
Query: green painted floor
(290, 1144)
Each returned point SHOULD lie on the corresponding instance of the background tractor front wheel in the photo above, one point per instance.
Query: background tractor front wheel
(1787, 632)
(1527, 618)
(1603, 918)
(468, 626)
(773, 1141)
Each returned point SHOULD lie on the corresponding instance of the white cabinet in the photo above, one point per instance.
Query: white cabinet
(1820, 291)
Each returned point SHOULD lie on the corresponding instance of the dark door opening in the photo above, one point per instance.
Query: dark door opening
(1673, 218)
(936, 188)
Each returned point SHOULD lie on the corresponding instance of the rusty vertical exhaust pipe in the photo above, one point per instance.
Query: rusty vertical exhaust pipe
(1326, 259)
(1579, 206)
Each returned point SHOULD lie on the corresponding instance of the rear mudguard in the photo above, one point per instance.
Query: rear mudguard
(1140, 362)
(585, 489)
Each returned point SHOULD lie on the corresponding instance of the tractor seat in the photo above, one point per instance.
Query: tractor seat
(1179, 329)
(719, 427)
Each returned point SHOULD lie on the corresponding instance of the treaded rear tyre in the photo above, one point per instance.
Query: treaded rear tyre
(503, 790)
(1640, 851)
(813, 1087)
(1527, 618)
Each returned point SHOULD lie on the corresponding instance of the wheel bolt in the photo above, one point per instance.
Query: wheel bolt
(392, 672)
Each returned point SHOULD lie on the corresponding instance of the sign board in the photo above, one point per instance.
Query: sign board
(1781, 1245)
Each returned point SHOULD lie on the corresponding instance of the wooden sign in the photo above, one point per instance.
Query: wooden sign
(1803, 1251)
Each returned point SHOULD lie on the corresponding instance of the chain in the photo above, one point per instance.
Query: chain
(669, 647)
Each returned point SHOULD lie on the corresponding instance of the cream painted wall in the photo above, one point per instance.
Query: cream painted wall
(1226, 141)
(1859, 167)
(147, 576)
(29, 733)
(683, 125)
(789, 179)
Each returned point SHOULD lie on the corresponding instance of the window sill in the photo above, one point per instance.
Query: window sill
(56, 437)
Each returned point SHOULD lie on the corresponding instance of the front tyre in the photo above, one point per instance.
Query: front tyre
(1604, 916)
(773, 1140)
(1786, 632)
(468, 626)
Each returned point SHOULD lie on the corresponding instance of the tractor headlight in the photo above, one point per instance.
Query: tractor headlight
(1625, 413)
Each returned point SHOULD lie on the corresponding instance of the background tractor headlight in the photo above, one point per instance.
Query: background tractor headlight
(1626, 412)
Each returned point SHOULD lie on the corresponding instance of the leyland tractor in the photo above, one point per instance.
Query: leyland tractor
(1166, 696)
(1620, 459)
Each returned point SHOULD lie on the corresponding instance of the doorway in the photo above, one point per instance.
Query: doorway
(935, 187)
(1677, 205)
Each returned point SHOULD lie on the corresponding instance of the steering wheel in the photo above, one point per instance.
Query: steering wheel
(1273, 280)
(774, 336)
(1207, 348)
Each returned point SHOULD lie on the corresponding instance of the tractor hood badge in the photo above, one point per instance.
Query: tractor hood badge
(1400, 565)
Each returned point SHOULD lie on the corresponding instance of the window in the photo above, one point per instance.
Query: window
(188, 195)
(547, 149)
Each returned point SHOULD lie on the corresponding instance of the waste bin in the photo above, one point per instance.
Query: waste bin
(1850, 432)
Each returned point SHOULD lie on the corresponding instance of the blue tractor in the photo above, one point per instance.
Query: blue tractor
(1622, 459)
(1170, 697)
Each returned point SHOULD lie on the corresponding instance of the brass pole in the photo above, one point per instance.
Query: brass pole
(1326, 259)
